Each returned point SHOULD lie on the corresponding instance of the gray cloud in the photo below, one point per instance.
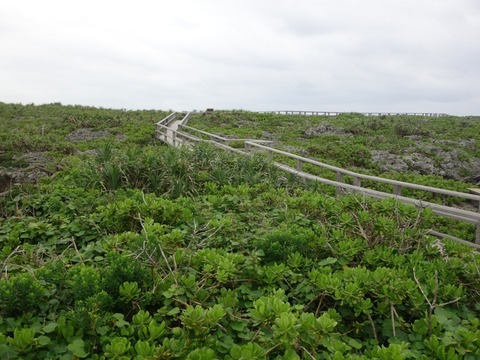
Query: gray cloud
(339, 55)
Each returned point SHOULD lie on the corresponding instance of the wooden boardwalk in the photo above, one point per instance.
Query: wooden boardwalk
(336, 113)
(174, 131)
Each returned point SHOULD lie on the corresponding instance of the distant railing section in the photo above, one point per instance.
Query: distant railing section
(168, 119)
(336, 113)
(356, 188)
(203, 135)
(186, 134)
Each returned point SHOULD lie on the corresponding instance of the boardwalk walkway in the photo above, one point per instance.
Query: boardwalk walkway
(174, 131)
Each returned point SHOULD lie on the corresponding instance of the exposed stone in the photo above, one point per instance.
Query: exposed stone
(33, 158)
(326, 129)
(431, 160)
(420, 164)
(266, 135)
(389, 162)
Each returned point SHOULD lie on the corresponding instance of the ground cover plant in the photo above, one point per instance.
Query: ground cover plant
(440, 152)
(140, 251)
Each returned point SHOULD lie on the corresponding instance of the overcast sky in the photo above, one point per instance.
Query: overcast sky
(334, 55)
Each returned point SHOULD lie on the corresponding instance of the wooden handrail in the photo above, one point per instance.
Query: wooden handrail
(336, 113)
(368, 177)
(356, 188)
(221, 138)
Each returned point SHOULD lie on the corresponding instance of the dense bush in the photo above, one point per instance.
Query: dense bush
(218, 262)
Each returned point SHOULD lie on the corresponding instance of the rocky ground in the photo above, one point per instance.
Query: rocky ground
(35, 164)
(443, 158)
(35, 168)
(424, 157)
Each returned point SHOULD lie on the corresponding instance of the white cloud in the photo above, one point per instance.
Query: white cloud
(339, 55)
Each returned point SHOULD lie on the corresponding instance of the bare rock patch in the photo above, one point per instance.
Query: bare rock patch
(326, 129)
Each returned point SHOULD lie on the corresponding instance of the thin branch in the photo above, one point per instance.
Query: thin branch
(76, 250)
(308, 353)
(420, 288)
(392, 315)
(161, 250)
(272, 348)
(449, 302)
(5, 266)
(374, 330)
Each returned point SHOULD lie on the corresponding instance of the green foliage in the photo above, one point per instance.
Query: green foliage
(122, 277)
(20, 294)
(198, 254)
(347, 141)
(278, 246)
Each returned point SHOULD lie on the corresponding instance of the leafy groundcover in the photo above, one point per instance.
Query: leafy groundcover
(156, 253)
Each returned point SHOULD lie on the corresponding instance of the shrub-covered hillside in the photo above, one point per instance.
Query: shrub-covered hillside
(133, 250)
(410, 148)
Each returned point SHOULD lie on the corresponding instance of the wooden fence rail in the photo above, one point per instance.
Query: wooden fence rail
(190, 134)
(336, 113)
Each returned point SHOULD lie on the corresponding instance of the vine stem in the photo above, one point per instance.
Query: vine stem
(432, 304)
(392, 314)
(308, 353)
(5, 263)
(161, 251)
(76, 250)
(373, 327)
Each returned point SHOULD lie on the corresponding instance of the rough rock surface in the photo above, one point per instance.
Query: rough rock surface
(389, 162)
(268, 136)
(326, 129)
(431, 160)
(13, 175)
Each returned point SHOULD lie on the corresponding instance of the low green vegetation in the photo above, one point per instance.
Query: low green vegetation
(440, 152)
(140, 251)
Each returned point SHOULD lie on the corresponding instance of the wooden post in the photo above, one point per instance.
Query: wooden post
(270, 154)
(174, 139)
(477, 238)
(397, 190)
(357, 181)
(299, 164)
(338, 190)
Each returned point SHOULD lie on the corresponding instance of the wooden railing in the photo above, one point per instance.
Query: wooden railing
(341, 187)
(203, 135)
(336, 113)
(189, 134)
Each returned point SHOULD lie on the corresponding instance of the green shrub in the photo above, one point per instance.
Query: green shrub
(20, 294)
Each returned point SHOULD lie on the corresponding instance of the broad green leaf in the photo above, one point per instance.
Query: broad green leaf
(49, 327)
(77, 347)
(327, 261)
(43, 340)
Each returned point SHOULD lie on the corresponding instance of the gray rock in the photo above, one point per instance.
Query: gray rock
(326, 129)
(389, 162)
(33, 158)
(420, 164)
(266, 135)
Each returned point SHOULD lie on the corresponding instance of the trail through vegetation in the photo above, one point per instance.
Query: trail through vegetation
(129, 249)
